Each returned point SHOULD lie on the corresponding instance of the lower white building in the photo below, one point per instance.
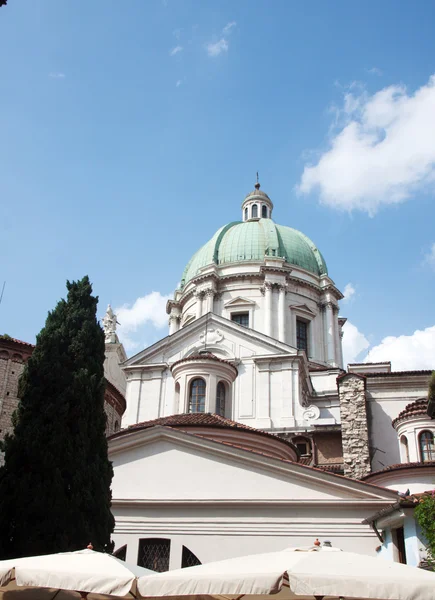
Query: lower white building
(241, 422)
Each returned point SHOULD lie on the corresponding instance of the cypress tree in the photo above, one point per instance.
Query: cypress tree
(55, 483)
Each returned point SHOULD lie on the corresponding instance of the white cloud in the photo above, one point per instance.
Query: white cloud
(349, 292)
(176, 50)
(146, 309)
(57, 75)
(217, 48)
(407, 352)
(429, 259)
(375, 71)
(354, 342)
(179, 82)
(382, 152)
(228, 27)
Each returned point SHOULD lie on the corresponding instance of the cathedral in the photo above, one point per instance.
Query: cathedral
(244, 432)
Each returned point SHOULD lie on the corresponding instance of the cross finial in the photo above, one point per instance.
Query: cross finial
(257, 185)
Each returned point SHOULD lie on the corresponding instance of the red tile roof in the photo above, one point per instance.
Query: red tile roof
(199, 420)
(203, 356)
(332, 468)
(412, 465)
(414, 409)
(15, 341)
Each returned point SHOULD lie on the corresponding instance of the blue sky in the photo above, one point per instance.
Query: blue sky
(131, 131)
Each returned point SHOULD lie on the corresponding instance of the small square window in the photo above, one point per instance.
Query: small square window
(241, 318)
(302, 335)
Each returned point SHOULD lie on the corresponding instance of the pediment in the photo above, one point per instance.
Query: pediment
(182, 465)
(303, 308)
(212, 333)
(239, 301)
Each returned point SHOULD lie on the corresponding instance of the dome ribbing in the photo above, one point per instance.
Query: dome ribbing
(251, 241)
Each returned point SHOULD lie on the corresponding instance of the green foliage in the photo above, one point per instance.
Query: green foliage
(55, 484)
(425, 515)
(5, 336)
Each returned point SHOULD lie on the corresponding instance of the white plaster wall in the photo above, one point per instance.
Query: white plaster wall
(215, 534)
(412, 430)
(384, 403)
(415, 480)
(189, 474)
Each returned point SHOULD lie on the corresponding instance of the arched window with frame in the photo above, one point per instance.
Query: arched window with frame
(197, 396)
(427, 448)
(220, 399)
(254, 211)
(405, 449)
(246, 213)
(264, 211)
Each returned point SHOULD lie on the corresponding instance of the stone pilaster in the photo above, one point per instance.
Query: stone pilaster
(282, 290)
(268, 308)
(354, 429)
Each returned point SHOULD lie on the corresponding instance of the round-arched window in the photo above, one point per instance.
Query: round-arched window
(405, 449)
(246, 213)
(427, 448)
(220, 399)
(254, 211)
(264, 211)
(197, 396)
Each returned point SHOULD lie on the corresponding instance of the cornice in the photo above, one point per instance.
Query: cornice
(247, 502)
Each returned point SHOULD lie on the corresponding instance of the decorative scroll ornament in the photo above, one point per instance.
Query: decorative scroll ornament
(311, 413)
(212, 336)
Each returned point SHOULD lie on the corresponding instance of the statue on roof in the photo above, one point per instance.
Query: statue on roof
(109, 325)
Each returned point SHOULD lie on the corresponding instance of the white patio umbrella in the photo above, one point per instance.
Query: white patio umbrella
(295, 573)
(84, 571)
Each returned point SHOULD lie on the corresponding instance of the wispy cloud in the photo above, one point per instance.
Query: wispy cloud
(381, 152)
(177, 33)
(217, 48)
(375, 71)
(179, 82)
(429, 258)
(349, 292)
(228, 27)
(176, 50)
(57, 75)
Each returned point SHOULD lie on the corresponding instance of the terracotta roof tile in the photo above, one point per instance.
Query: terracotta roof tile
(399, 467)
(332, 468)
(203, 356)
(200, 420)
(14, 340)
(414, 409)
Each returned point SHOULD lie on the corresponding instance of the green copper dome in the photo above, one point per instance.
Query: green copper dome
(251, 241)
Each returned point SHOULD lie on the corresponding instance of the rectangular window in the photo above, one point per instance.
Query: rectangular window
(241, 319)
(302, 335)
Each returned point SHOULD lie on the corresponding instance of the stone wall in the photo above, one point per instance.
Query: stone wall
(13, 357)
(354, 429)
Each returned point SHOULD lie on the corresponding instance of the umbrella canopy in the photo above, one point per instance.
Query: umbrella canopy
(5, 574)
(296, 573)
(82, 571)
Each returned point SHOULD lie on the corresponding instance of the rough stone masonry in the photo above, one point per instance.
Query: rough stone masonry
(354, 430)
